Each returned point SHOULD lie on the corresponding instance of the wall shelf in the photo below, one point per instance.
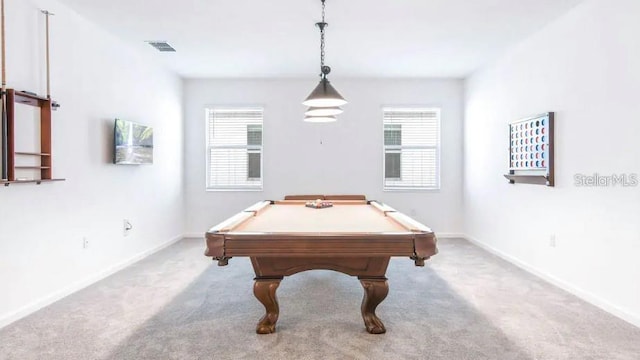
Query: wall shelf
(33, 167)
(528, 179)
(31, 153)
(46, 105)
(36, 181)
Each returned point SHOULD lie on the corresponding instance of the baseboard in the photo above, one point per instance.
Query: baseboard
(450, 235)
(50, 299)
(199, 235)
(584, 295)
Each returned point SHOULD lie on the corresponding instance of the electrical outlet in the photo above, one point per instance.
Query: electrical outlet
(552, 240)
(85, 243)
(126, 227)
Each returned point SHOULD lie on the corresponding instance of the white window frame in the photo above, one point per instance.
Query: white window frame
(208, 186)
(437, 148)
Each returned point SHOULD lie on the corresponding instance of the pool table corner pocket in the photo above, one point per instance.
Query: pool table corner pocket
(215, 247)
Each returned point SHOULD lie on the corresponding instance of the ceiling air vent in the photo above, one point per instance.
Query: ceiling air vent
(161, 46)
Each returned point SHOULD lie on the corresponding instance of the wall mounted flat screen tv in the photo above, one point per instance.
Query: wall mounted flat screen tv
(133, 143)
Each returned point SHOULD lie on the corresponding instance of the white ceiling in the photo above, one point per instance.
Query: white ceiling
(365, 38)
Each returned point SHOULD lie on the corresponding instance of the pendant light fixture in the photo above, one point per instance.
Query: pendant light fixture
(320, 119)
(323, 111)
(324, 101)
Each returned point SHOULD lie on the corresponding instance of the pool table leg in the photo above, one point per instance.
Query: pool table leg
(265, 291)
(375, 291)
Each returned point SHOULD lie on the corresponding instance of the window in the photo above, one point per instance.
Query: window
(411, 148)
(234, 149)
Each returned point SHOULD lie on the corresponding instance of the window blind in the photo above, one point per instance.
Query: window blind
(411, 148)
(234, 149)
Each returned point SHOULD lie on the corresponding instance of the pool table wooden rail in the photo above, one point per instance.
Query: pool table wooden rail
(325, 197)
(418, 241)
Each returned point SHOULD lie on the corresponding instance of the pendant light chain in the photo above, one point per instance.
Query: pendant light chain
(322, 52)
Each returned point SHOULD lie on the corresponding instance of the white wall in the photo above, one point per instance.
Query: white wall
(95, 78)
(342, 157)
(585, 67)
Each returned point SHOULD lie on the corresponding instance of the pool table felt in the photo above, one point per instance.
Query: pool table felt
(341, 218)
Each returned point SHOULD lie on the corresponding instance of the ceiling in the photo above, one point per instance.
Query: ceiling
(365, 38)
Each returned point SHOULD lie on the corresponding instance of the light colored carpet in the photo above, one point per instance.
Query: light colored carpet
(177, 304)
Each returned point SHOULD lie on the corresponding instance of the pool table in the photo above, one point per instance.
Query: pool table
(354, 237)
